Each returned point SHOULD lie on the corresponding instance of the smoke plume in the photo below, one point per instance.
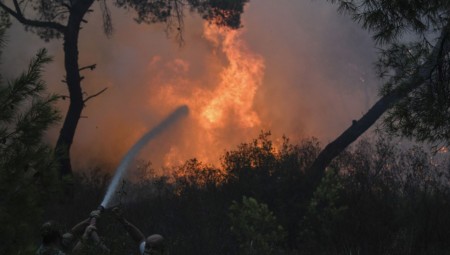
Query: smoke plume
(296, 68)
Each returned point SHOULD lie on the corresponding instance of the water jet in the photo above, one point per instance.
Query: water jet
(180, 112)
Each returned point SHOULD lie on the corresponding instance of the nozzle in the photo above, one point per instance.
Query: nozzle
(101, 209)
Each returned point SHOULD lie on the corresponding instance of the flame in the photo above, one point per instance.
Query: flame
(238, 84)
(220, 111)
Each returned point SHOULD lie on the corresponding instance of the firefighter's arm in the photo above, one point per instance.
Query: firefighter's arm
(132, 230)
(78, 229)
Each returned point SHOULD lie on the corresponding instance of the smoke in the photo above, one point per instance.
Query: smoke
(296, 68)
(318, 66)
(180, 112)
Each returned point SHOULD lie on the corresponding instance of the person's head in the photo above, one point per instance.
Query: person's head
(51, 233)
(154, 245)
(67, 241)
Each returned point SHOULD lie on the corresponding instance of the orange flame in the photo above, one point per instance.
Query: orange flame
(218, 112)
(238, 84)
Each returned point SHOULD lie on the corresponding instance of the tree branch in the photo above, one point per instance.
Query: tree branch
(333, 149)
(63, 97)
(96, 94)
(33, 23)
(92, 67)
(32, 174)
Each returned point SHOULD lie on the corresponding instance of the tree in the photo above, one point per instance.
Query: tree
(255, 227)
(27, 166)
(324, 216)
(63, 19)
(414, 64)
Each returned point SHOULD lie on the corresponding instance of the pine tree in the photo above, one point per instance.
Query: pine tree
(414, 41)
(27, 165)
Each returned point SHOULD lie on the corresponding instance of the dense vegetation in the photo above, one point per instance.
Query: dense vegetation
(27, 167)
(375, 199)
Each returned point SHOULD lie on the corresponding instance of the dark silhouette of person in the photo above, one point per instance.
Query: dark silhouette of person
(152, 245)
(56, 243)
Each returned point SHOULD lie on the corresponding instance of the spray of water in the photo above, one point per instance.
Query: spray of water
(180, 112)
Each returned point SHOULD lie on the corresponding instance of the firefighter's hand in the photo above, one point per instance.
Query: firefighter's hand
(88, 231)
(95, 214)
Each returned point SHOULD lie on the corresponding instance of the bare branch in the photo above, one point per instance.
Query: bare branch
(180, 21)
(96, 94)
(107, 24)
(92, 67)
(34, 23)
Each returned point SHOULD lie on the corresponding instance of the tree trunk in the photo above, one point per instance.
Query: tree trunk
(73, 80)
(333, 149)
(352, 133)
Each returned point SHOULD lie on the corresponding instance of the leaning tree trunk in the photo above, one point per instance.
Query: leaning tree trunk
(352, 133)
(333, 149)
(73, 80)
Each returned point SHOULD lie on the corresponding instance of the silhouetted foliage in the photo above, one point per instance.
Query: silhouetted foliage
(413, 64)
(222, 13)
(384, 201)
(27, 166)
(411, 31)
(256, 228)
(377, 198)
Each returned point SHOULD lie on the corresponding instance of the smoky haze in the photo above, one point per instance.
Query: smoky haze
(296, 68)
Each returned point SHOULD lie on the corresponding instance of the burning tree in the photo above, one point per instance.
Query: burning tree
(414, 61)
(63, 19)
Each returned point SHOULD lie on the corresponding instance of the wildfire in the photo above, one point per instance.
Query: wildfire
(219, 111)
(239, 81)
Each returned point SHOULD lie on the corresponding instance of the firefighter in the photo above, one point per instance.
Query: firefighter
(51, 239)
(152, 245)
(56, 243)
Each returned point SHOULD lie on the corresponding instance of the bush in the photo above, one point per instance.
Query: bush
(256, 228)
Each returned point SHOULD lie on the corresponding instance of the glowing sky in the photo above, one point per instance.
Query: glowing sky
(296, 68)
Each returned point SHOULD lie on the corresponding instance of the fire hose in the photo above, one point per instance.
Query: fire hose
(93, 220)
